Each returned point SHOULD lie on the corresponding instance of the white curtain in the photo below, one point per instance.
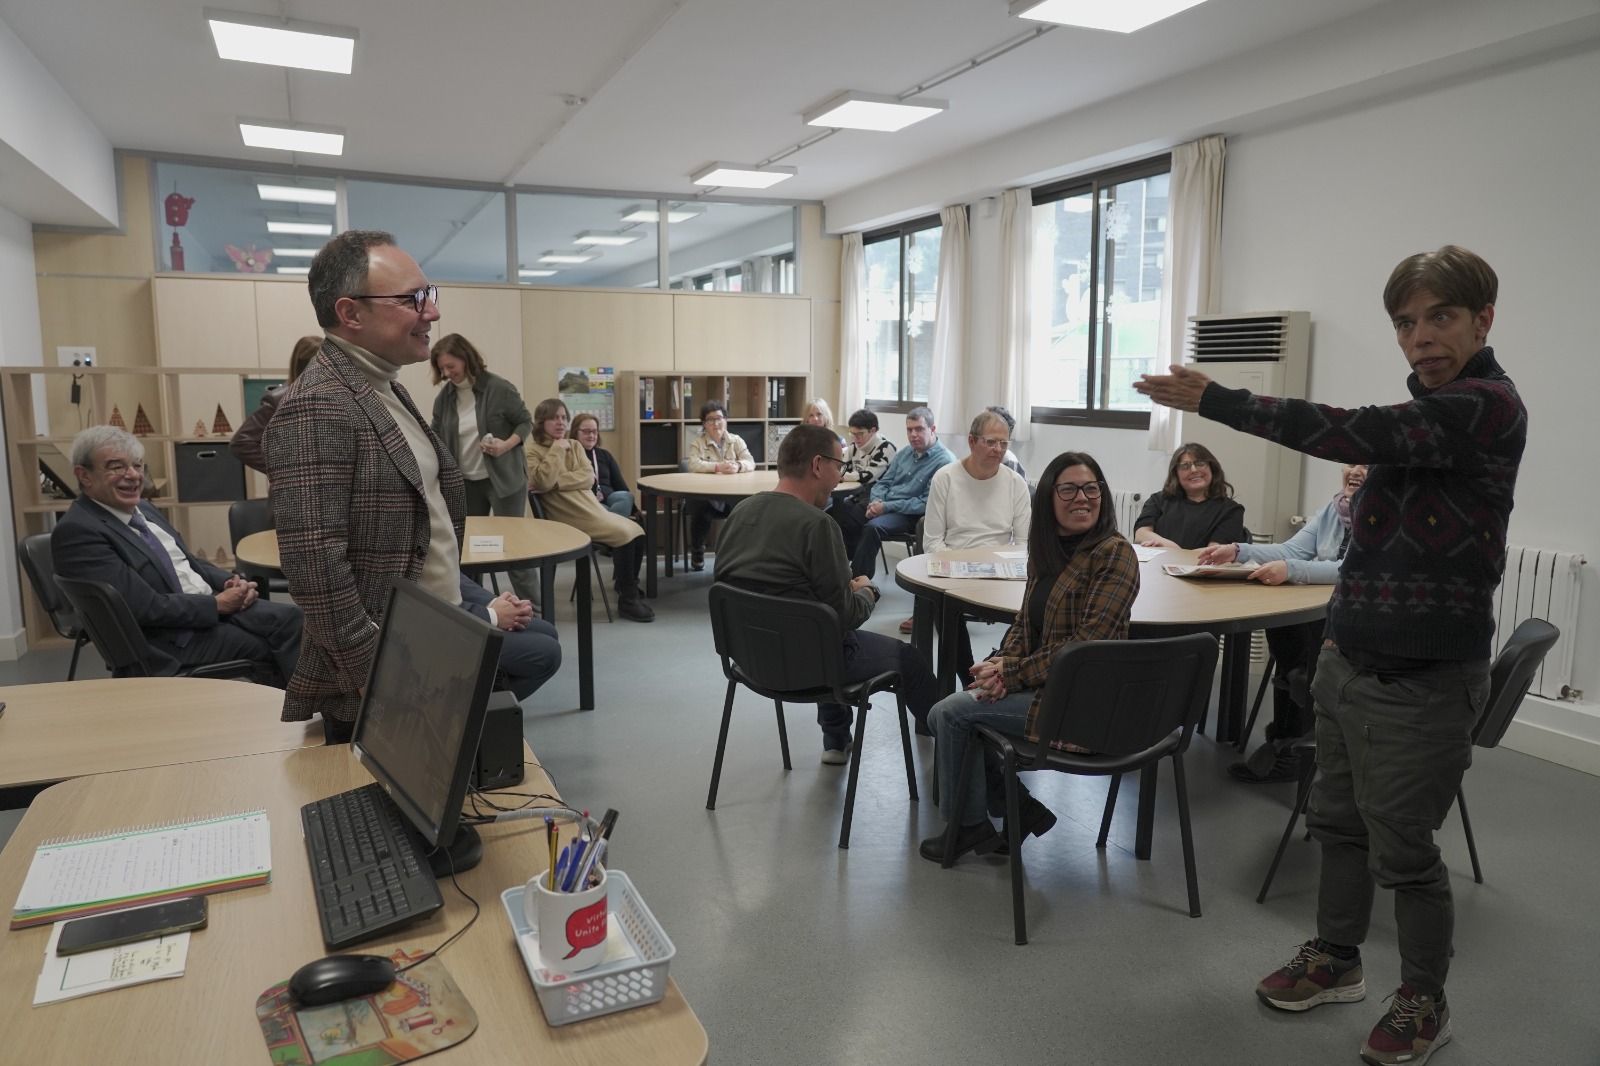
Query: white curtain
(1194, 253)
(950, 324)
(1016, 306)
(852, 317)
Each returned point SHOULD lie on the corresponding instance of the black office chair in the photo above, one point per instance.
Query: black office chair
(912, 541)
(40, 566)
(244, 518)
(1509, 680)
(120, 641)
(1130, 702)
(595, 577)
(793, 650)
(1267, 679)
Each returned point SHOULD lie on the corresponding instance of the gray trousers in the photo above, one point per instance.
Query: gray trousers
(524, 579)
(1391, 749)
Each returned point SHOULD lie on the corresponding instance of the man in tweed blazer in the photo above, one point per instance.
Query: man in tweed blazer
(364, 493)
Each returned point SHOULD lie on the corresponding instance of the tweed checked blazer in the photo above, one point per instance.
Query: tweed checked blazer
(351, 516)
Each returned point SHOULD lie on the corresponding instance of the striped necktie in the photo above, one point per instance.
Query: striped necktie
(144, 531)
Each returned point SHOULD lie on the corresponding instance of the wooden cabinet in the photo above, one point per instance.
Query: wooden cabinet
(658, 414)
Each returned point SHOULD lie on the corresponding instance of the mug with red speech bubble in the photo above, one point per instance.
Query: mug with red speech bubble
(572, 926)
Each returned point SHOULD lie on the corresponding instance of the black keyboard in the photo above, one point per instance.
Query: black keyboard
(368, 866)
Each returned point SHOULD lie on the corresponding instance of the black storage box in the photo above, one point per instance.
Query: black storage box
(499, 762)
(207, 470)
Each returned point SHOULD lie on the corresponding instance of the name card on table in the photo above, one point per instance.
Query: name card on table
(486, 545)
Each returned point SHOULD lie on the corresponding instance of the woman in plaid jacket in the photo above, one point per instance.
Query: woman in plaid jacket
(1083, 577)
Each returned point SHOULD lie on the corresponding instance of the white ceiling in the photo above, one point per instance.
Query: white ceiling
(617, 94)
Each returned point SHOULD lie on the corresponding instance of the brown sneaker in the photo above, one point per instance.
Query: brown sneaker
(906, 626)
(1415, 1026)
(1312, 977)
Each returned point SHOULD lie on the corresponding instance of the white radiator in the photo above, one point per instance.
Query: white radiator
(1540, 583)
(1127, 506)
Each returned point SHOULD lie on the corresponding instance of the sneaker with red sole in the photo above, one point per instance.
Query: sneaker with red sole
(1415, 1027)
(1311, 978)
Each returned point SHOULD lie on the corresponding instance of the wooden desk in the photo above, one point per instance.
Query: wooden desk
(259, 936)
(527, 540)
(1166, 606)
(65, 729)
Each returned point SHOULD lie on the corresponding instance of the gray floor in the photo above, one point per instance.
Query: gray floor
(792, 951)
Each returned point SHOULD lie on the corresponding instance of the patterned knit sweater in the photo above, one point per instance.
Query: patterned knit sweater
(1428, 533)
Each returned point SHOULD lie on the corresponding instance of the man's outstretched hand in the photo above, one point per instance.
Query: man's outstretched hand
(1181, 389)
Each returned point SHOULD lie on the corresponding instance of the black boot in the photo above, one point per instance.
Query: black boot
(625, 562)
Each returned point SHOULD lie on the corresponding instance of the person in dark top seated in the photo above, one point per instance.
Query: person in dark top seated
(1195, 507)
(190, 612)
(609, 487)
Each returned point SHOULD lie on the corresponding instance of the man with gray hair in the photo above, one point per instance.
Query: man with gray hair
(191, 612)
(898, 498)
(364, 493)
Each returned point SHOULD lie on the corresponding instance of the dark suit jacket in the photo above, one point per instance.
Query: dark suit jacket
(90, 542)
(351, 516)
(501, 412)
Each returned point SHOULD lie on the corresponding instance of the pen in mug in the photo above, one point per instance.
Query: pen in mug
(550, 837)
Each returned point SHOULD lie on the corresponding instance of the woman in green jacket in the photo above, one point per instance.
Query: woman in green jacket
(482, 421)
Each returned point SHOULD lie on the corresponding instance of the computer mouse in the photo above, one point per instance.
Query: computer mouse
(339, 977)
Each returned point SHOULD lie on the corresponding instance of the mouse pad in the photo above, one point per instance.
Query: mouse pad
(422, 1012)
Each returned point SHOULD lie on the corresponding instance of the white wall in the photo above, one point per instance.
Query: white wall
(19, 346)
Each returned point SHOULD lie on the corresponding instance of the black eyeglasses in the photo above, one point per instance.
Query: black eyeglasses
(1067, 490)
(831, 459)
(428, 294)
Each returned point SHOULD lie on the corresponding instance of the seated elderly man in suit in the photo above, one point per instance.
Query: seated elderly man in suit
(191, 612)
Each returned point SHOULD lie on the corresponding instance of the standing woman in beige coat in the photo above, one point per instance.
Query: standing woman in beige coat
(560, 474)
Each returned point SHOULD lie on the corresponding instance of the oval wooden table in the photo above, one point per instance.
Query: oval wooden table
(1166, 606)
(526, 540)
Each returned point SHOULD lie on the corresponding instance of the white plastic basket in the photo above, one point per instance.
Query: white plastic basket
(610, 986)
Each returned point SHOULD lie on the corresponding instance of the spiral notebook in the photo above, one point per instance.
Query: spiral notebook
(75, 876)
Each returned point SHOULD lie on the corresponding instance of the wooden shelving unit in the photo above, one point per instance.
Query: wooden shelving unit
(158, 389)
(657, 415)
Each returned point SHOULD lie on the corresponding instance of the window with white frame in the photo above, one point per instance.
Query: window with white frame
(1098, 272)
(900, 301)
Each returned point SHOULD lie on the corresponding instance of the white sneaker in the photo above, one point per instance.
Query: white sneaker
(835, 757)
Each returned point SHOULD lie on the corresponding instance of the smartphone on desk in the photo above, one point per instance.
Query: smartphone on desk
(137, 923)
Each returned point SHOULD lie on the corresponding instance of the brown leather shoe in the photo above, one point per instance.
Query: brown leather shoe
(906, 626)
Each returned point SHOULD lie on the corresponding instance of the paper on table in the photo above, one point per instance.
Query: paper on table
(486, 545)
(70, 976)
(1144, 553)
(1023, 554)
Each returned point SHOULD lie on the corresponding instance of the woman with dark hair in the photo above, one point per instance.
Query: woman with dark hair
(246, 442)
(1195, 506)
(481, 420)
(559, 472)
(714, 451)
(609, 487)
(1082, 581)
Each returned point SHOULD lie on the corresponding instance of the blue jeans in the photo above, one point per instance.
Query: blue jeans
(890, 523)
(868, 655)
(619, 502)
(953, 720)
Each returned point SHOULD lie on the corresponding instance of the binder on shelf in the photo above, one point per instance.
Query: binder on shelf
(649, 397)
(772, 397)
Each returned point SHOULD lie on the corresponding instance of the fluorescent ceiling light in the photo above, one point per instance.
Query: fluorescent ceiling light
(1120, 16)
(863, 111)
(323, 141)
(537, 273)
(282, 42)
(294, 253)
(568, 257)
(292, 194)
(605, 238)
(741, 175)
(303, 229)
(294, 270)
(675, 213)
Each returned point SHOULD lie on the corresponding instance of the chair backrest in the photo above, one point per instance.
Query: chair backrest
(1511, 676)
(110, 625)
(535, 505)
(246, 517)
(778, 644)
(40, 566)
(1119, 697)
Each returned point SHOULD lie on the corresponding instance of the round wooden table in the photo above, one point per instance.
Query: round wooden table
(723, 487)
(525, 540)
(1166, 606)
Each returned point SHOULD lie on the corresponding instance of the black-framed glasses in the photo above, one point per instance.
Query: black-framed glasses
(831, 459)
(1090, 490)
(428, 294)
(1184, 468)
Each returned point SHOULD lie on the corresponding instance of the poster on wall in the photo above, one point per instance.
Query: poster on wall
(590, 390)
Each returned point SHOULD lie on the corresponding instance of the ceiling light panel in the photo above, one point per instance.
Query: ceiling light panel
(864, 111)
(675, 213)
(294, 253)
(293, 270)
(293, 194)
(606, 239)
(741, 175)
(303, 229)
(568, 257)
(318, 140)
(537, 273)
(282, 42)
(1121, 16)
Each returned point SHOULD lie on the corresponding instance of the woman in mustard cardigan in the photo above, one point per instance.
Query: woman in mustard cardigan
(560, 474)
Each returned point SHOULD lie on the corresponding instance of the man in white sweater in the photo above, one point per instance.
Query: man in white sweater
(977, 503)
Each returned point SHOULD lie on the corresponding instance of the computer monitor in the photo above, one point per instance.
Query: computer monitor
(422, 714)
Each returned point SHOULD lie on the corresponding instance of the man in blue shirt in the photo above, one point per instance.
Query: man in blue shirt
(899, 498)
